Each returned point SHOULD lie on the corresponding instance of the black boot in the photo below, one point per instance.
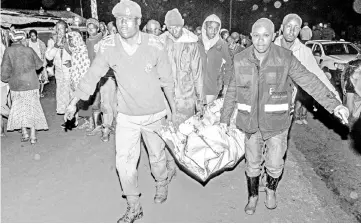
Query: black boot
(252, 185)
(271, 186)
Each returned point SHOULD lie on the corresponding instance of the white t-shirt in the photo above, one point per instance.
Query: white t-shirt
(36, 47)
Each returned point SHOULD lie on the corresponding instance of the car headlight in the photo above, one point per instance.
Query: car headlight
(339, 66)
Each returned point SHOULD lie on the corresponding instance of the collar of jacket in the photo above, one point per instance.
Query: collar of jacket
(187, 37)
(218, 45)
(295, 46)
(272, 54)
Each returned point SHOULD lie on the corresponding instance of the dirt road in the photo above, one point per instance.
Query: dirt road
(69, 177)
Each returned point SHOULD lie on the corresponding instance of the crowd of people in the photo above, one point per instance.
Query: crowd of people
(137, 81)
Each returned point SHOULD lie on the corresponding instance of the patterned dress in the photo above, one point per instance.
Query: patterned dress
(80, 61)
(26, 111)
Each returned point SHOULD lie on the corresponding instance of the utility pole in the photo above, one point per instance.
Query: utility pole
(81, 8)
(230, 15)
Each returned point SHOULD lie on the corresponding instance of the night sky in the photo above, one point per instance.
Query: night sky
(339, 13)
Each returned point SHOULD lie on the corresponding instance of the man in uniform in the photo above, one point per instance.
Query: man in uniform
(261, 88)
(141, 67)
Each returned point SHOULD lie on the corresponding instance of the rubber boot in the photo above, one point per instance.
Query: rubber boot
(161, 192)
(272, 183)
(134, 210)
(252, 185)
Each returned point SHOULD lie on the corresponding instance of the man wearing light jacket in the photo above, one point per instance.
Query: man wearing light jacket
(183, 53)
(291, 27)
(261, 88)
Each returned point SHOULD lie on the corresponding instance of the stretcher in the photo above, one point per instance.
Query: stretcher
(201, 147)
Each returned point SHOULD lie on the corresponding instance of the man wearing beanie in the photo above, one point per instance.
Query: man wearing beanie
(183, 53)
(261, 88)
(141, 68)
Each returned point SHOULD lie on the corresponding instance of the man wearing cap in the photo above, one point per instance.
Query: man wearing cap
(183, 53)
(141, 68)
(261, 88)
(153, 27)
(290, 28)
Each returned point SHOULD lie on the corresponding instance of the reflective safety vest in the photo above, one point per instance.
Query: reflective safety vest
(263, 94)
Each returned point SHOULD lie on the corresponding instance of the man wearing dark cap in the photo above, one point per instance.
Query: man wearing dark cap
(261, 89)
(182, 47)
(141, 68)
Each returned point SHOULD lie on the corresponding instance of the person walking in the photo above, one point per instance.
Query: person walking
(214, 54)
(39, 47)
(142, 68)
(306, 33)
(61, 55)
(317, 33)
(261, 89)
(18, 68)
(79, 60)
(183, 53)
(328, 33)
(291, 28)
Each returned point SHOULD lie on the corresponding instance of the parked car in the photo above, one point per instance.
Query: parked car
(331, 55)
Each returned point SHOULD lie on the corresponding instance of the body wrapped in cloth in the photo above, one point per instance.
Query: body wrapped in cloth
(202, 147)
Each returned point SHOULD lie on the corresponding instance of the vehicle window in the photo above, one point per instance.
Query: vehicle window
(351, 49)
(309, 45)
(317, 49)
(335, 49)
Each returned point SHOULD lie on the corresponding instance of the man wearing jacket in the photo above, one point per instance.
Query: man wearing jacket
(183, 53)
(261, 89)
(141, 68)
(291, 28)
(216, 59)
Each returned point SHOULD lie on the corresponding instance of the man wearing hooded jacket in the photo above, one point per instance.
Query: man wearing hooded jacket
(261, 88)
(183, 53)
(214, 54)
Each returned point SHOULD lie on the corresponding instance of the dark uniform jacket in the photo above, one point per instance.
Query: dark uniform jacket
(263, 93)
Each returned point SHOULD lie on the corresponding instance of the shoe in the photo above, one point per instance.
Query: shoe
(304, 121)
(95, 131)
(252, 185)
(85, 125)
(299, 122)
(272, 183)
(172, 170)
(134, 212)
(25, 137)
(105, 134)
(33, 141)
(161, 191)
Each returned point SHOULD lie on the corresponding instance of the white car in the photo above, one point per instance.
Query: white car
(331, 55)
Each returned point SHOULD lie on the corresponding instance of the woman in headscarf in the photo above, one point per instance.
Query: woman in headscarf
(18, 68)
(79, 60)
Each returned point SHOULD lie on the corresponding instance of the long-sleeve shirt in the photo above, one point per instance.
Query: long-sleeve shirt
(90, 45)
(18, 68)
(60, 57)
(305, 56)
(139, 76)
(306, 33)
